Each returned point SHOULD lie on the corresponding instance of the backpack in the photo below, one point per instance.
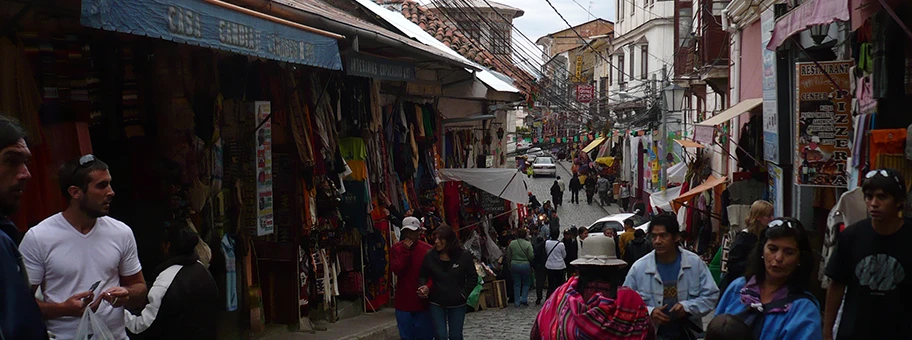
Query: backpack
(754, 318)
(636, 250)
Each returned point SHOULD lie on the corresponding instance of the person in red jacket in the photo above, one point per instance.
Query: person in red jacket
(407, 256)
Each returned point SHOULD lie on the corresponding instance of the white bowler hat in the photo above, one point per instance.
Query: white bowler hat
(598, 250)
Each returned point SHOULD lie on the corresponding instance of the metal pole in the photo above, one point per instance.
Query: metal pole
(664, 133)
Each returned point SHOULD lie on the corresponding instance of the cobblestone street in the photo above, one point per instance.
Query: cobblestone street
(516, 323)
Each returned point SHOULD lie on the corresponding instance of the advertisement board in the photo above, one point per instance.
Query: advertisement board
(824, 121)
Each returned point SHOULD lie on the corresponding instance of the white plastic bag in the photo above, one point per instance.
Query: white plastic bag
(92, 327)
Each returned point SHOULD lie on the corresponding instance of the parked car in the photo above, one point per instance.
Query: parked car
(616, 222)
(537, 152)
(544, 166)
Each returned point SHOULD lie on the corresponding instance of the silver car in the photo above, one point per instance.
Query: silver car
(544, 166)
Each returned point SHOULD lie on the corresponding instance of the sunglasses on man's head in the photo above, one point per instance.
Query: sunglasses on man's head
(883, 173)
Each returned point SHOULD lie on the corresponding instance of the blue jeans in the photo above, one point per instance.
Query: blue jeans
(452, 316)
(522, 280)
(414, 325)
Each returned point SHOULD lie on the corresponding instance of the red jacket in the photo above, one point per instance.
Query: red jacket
(406, 264)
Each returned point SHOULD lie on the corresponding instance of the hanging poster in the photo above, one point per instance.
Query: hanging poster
(265, 223)
(776, 189)
(824, 121)
(770, 108)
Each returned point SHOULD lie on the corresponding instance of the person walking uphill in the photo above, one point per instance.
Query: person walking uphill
(591, 184)
(772, 295)
(575, 187)
(872, 267)
(452, 271)
(593, 305)
(184, 301)
(520, 256)
(556, 194)
(675, 283)
(406, 260)
(68, 252)
(554, 261)
(20, 317)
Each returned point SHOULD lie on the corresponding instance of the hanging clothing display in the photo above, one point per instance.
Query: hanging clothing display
(231, 294)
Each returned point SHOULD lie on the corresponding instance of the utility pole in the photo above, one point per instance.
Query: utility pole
(664, 131)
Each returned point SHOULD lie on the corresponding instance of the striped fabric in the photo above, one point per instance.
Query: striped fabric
(568, 315)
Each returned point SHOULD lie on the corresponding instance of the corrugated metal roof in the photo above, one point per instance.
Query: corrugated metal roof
(412, 30)
(329, 12)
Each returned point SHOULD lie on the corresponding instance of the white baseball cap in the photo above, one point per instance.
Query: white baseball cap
(411, 223)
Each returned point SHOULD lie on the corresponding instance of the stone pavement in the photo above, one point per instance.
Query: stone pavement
(580, 215)
(502, 324)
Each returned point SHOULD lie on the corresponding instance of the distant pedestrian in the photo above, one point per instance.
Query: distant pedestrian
(593, 305)
(603, 186)
(626, 237)
(638, 247)
(563, 188)
(184, 301)
(728, 327)
(591, 184)
(556, 193)
(625, 196)
(538, 266)
(554, 262)
(452, 271)
(533, 201)
(520, 256)
(555, 220)
(406, 259)
(575, 187)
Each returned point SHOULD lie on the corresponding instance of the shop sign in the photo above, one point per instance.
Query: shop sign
(265, 215)
(584, 93)
(200, 23)
(776, 188)
(362, 65)
(824, 121)
(770, 109)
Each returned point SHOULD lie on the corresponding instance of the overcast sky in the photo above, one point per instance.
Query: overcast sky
(540, 19)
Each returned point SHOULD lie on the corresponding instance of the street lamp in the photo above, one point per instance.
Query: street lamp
(674, 97)
(819, 33)
(674, 102)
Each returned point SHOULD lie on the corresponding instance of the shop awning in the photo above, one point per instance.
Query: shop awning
(508, 184)
(217, 24)
(810, 13)
(687, 143)
(732, 112)
(711, 183)
(594, 144)
(486, 76)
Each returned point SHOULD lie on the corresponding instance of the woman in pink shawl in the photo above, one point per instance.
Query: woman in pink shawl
(593, 305)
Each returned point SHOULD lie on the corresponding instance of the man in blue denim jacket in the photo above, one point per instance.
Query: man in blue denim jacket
(675, 283)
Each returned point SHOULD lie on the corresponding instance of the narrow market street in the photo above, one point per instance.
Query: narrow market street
(516, 323)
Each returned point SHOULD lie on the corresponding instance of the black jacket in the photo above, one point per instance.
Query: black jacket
(20, 317)
(737, 257)
(591, 183)
(575, 184)
(572, 251)
(452, 281)
(188, 301)
(636, 249)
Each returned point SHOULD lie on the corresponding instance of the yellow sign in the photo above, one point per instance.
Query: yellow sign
(579, 67)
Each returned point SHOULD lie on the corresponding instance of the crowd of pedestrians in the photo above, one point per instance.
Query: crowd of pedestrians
(766, 292)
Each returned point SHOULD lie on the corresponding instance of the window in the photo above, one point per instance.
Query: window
(632, 67)
(621, 9)
(610, 70)
(620, 69)
(644, 61)
(632, 6)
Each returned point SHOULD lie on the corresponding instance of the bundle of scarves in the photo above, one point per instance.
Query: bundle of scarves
(569, 315)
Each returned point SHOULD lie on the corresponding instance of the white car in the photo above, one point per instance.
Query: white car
(544, 166)
(616, 222)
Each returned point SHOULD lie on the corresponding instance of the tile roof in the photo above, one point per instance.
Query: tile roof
(459, 42)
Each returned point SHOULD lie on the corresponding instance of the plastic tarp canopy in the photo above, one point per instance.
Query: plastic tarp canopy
(508, 184)
(594, 144)
(606, 161)
(676, 173)
(662, 200)
(711, 183)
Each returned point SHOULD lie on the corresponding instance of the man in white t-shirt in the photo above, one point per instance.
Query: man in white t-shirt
(68, 252)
